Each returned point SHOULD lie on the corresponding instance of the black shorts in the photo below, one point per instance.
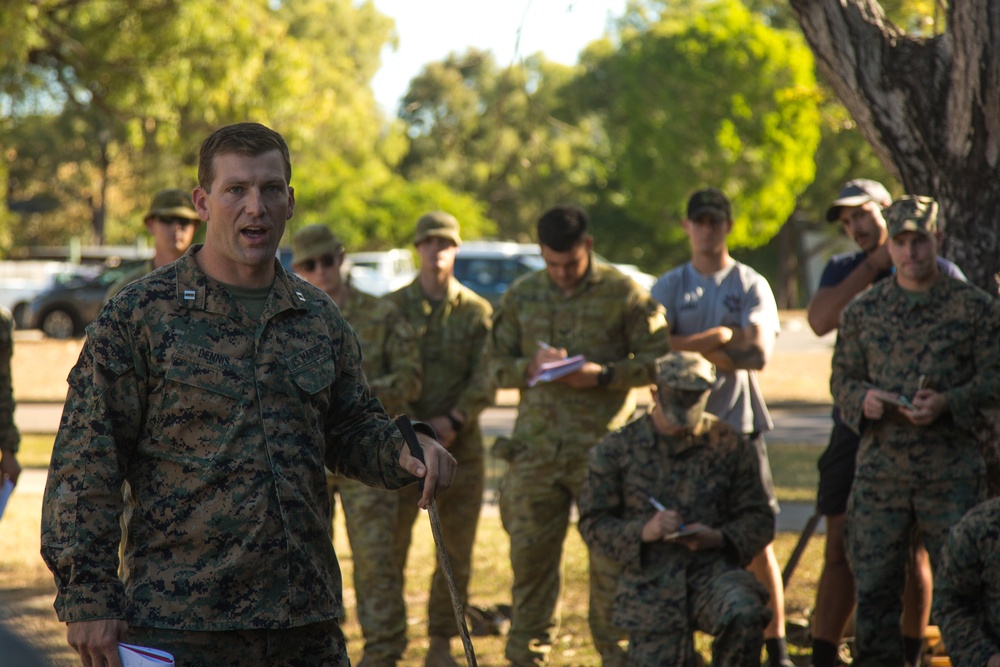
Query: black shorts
(757, 441)
(836, 471)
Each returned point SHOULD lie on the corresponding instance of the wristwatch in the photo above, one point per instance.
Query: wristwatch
(606, 375)
(456, 423)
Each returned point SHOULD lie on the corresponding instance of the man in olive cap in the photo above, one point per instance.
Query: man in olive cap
(452, 322)
(391, 362)
(172, 222)
(917, 359)
(675, 498)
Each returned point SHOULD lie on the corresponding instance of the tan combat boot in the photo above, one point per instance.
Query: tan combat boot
(439, 653)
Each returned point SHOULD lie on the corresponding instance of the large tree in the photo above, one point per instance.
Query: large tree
(928, 104)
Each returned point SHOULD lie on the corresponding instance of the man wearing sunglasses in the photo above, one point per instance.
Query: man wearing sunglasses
(172, 222)
(391, 362)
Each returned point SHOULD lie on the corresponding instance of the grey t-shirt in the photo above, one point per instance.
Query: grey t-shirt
(735, 297)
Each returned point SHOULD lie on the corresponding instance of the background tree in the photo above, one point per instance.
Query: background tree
(927, 98)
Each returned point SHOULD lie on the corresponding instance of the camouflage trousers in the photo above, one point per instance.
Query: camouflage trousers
(314, 645)
(459, 511)
(371, 515)
(881, 515)
(535, 504)
(732, 607)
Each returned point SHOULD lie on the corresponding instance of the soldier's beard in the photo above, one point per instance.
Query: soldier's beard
(682, 408)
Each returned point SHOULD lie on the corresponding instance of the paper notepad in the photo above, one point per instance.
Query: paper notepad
(143, 656)
(554, 370)
(5, 490)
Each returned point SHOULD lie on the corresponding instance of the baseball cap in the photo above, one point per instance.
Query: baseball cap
(314, 241)
(685, 370)
(173, 203)
(912, 214)
(709, 202)
(437, 223)
(856, 193)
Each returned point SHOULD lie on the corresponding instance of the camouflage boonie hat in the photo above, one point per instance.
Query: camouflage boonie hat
(912, 214)
(314, 241)
(173, 203)
(437, 223)
(685, 370)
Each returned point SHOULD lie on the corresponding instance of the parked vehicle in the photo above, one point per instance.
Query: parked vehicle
(66, 308)
(22, 280)
(381, 272)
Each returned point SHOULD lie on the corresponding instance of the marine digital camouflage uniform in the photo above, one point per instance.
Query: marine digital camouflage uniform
(452, 336)
(10, 439)
(130, 276)
(967, 587)
(609, 319)
(667, 591)
(908, 475)
(391, 362)
(223, 426)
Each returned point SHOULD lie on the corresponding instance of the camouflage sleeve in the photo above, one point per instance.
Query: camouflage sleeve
(849, 370)
(363, 442)
(959, 592)
(478, 392)
(398, 388)
(98, 432)
(507, 366)
(966, 401)
(752, 527)
(10, 439)
(601, 503)
(648, 339)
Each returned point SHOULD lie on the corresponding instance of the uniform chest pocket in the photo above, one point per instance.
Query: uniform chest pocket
(313, 370)
(199, 409)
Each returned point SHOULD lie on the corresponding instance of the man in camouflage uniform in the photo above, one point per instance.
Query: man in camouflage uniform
(391, 362)
(172, 222)
(918, 334)
(220, 387)
(967, 588)
(452, 323)
(677, 469)
(576, 305)
(10, 439)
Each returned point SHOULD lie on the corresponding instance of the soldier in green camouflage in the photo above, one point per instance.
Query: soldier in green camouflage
(221, 388)
(675, 498)
(10, 439)
(172, 223)
(967, 588)
(576, 305)
(936, 340)
(391, 362)
(452, 323)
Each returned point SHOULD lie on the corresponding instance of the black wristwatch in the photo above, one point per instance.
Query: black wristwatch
(456, 424)
(606, 375)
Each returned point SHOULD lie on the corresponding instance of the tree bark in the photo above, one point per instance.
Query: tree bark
(930, 108)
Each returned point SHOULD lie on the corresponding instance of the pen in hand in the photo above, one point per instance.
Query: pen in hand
(660, 508)
(542, 344)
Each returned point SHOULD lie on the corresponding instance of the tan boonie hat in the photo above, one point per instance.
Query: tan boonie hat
(314, 241)
(912, 214)
(437, 223)
(855, 193)
(173, 203)
(685, 370)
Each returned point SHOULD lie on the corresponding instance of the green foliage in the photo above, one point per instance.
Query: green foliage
(703, 94)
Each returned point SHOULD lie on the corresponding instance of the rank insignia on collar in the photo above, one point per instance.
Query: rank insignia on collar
(301, 298)
(189, 295)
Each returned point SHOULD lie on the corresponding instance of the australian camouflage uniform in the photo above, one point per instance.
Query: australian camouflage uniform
(452, 336)
(946, 339)
(612, 321)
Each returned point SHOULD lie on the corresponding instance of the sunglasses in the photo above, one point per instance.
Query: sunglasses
(183, 222)
(309, 265)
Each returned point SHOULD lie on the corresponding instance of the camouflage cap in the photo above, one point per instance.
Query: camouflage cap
(437, 223)
(685, 370)
(709, 202)
(912, 214)
(172, 203)
(314, 241)
(855, 193)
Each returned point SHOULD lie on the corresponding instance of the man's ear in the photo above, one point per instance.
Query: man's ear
(200, 199)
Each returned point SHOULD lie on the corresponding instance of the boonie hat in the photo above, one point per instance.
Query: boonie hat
(437, 223)
(173, 203)
(314, 241)
(855, 193)
(709, 202)
(912, 214)
(685, 370)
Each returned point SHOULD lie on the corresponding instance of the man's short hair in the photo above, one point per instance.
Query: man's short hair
(250, 139)
(562, 228)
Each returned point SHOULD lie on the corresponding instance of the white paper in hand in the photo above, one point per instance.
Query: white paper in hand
(143, 656)
(554, 370)
(5, 490)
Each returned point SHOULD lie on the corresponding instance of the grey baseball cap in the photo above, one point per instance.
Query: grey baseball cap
(856, 193)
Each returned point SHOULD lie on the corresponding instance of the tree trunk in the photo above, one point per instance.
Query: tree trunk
(930, 108)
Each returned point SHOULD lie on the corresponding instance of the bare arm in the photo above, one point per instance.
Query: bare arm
(826, 305)
(703, 341)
